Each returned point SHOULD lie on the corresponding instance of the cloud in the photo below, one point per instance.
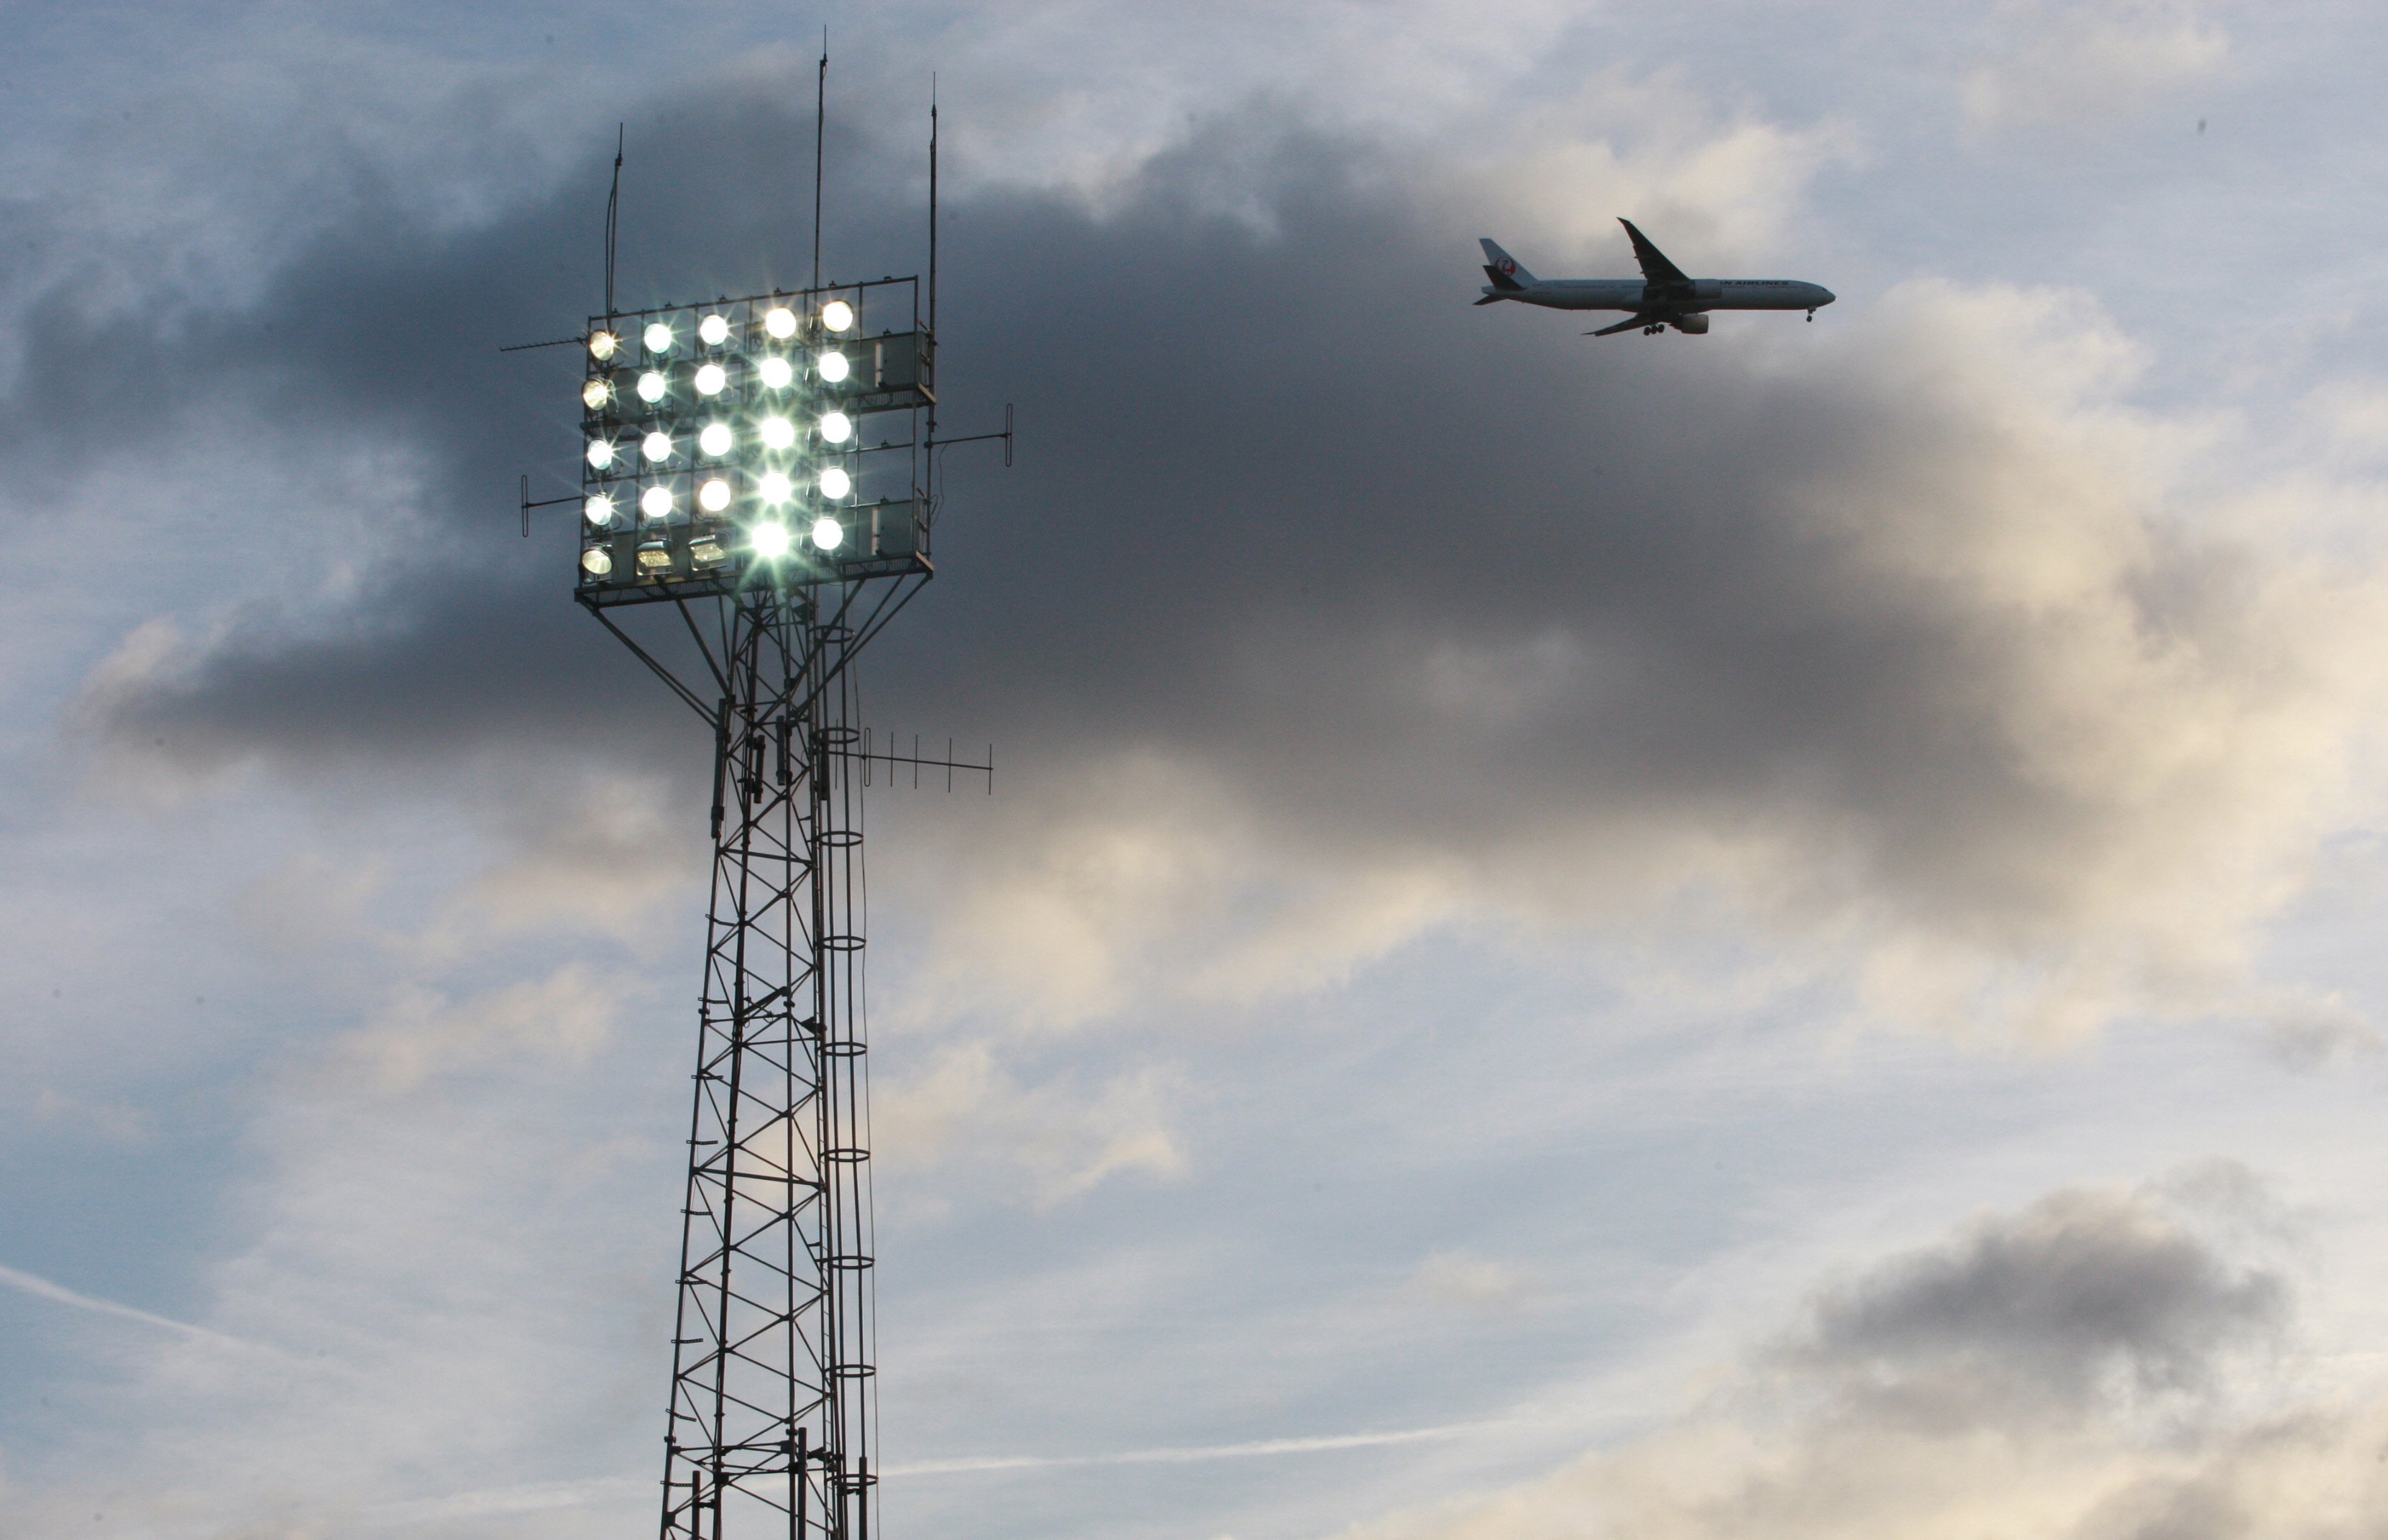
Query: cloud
(1323, 613)
(966, 1110)
(2001, 1381)
(1476, 1282)
(2086, 1295)
(568, 1017)
(2076, 64)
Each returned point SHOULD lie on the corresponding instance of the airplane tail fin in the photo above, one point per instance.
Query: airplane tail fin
(1502, 268)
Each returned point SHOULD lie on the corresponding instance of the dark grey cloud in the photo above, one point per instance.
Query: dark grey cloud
(1879, 625)
(2084, 1296)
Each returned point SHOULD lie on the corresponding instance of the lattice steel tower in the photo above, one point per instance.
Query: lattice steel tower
(757, 480)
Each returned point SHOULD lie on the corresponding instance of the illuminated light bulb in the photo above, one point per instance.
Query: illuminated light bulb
(601, 452)
(710, 380)
(827, 533)
(777, 373)
(604, 345)
(778, 432)
(650, 386)
(837, 315)
(775, 489)
(770, 540)
(715, 440)
(655, 446)
(832, 366)
(658, 338)
(655, 501)
(836, 426)
(593, 394)
(835, 482)
(780, 321)
(713, 331)
(597, 561)
(598, 509)
(713, 496)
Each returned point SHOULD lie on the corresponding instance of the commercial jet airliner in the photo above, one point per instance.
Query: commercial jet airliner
(1662, 296)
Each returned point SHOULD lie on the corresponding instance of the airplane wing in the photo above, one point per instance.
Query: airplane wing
(1627, 325)
(1656, 268)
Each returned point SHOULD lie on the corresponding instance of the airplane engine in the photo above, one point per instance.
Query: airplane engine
(1696, 326)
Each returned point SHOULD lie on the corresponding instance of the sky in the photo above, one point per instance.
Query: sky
(1674, 937)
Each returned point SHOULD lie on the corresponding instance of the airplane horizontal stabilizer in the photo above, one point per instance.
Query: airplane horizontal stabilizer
(1490, 300)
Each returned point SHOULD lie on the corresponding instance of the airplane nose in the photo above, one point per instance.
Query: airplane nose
(1825, 296)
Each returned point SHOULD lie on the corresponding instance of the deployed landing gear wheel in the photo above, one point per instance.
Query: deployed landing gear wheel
(1811, 318)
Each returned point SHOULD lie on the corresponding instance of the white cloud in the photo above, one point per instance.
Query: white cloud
(968, 1112)
(2074, 64)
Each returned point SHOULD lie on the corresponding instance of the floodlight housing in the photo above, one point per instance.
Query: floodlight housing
(732, 464)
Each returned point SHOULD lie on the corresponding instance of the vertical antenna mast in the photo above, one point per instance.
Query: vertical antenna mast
(614, 216)
(821, 121)
(933, 204)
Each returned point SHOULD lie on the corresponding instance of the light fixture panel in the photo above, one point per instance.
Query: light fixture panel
(748, 370)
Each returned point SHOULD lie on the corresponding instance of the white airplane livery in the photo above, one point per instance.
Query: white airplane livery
(1664, 295)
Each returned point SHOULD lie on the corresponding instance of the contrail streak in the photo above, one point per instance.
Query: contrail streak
(554, 1494)
(41, 1288)
(1316, 1444)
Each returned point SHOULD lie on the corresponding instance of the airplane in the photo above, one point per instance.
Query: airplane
(1663, 297)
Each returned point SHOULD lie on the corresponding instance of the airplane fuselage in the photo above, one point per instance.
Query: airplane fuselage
(1633, 294)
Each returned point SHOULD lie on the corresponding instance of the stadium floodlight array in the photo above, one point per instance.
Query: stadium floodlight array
(726, 443)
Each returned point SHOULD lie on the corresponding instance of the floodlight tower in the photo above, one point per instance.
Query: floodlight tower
(758, 476)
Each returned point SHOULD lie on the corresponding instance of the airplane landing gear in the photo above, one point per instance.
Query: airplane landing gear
(1652, 331)
(1811, 317)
